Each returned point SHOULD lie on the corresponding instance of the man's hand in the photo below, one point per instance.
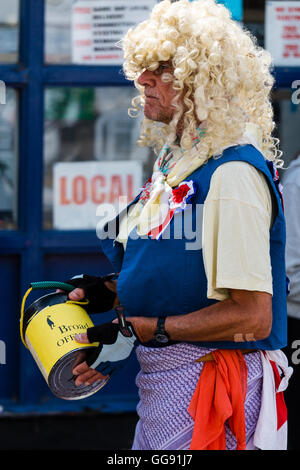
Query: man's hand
(101, 293)
(85, 374)
(79, 294)
(110, 356)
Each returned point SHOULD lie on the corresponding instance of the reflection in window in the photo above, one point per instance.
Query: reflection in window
(90, 125)
(8, 160)
(9, 31)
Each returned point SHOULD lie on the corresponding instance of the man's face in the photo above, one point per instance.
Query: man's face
(158, 94)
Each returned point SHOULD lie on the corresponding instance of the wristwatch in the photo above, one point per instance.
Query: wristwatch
(160, 335)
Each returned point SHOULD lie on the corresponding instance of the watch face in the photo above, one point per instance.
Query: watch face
(161, 338)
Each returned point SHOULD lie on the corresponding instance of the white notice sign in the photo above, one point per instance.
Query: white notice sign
(97, 25)
(82, 188)
(282, 32)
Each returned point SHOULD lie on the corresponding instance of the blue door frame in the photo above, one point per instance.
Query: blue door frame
(24, 253)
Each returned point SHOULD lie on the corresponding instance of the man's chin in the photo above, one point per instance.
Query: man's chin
(152, 116)
(149, 113)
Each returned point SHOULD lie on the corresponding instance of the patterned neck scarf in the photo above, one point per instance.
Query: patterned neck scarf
(170, 168)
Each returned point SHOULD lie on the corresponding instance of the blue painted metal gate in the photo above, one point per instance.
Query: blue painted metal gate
(31, 253)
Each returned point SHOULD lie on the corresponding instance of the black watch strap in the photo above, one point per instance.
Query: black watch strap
(160, 335)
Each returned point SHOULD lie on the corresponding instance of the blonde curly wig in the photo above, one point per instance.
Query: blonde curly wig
(223, 76)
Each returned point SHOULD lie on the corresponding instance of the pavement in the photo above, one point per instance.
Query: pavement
(81, 431)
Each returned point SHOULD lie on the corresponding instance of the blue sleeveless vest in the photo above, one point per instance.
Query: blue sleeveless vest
(166, 277)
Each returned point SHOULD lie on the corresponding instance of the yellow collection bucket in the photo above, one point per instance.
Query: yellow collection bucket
(47, 329)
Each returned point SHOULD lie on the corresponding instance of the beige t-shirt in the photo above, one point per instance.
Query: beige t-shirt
(235, 232)
(235, 235)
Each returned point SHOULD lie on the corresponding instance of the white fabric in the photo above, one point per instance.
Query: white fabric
(156, 212)
(119, 351)
(266, 436)
(236, 222)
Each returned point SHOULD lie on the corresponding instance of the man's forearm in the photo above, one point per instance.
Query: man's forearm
(228, 320)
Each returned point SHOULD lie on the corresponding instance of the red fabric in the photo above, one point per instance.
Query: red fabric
(156, 231)
(179, 193)
(220, 396)
(280, 403)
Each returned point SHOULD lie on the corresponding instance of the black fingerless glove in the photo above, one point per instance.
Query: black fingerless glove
(101, 299)
(114, 348)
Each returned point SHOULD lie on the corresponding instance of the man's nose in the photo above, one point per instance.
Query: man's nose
(146, 78)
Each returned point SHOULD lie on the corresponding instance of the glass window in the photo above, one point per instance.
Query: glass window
(287, 117)
(9, 31)
(86, 32)
(8, 157)
(254, 15)
(90, 153)
(58, 31)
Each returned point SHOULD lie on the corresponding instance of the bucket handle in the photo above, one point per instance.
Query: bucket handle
(45, 285)
(51, 285)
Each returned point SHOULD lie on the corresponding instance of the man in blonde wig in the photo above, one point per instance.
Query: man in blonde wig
(208, 303)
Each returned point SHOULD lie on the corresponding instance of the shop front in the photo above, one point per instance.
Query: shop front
(68, 155)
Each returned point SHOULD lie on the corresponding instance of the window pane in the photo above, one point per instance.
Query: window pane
(8, 159)
(58, 31)
(9, 31)
(86, 31)
(287, 115)
(90, 153)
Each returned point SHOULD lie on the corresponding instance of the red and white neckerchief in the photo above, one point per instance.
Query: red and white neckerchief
(159, 200)
(178, 200)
